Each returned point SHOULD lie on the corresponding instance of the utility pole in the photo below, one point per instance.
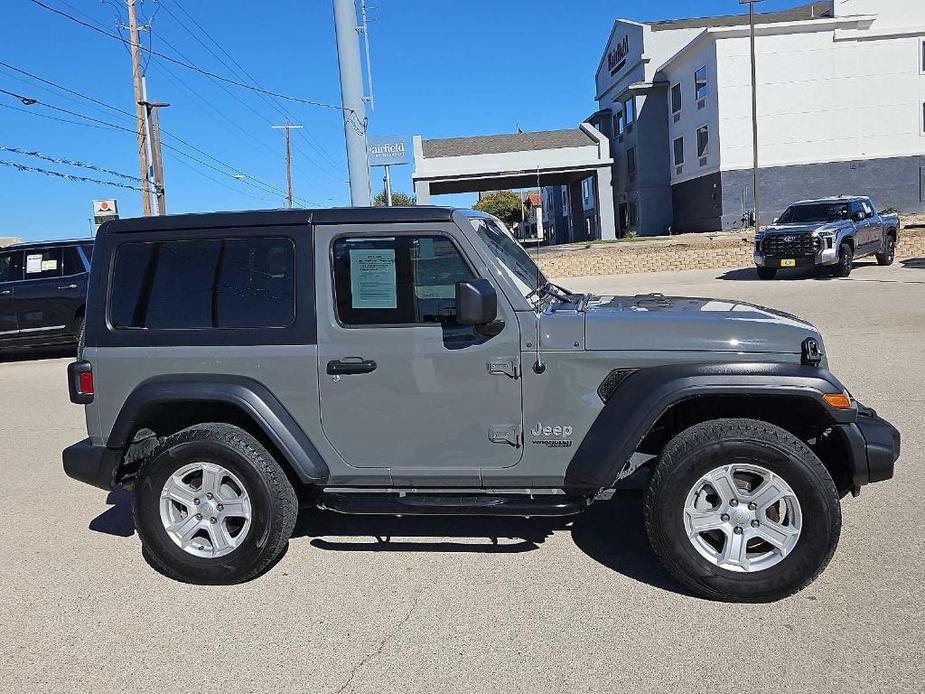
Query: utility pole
(354, 106)
(757, 192)
(286, 128)
(157, 160)
(139, 110)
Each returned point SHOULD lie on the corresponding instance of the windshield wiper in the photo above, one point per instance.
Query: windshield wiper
(556, 292)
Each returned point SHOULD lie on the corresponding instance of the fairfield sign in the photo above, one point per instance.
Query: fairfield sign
(616, 58)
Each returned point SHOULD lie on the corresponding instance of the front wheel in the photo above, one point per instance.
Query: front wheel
(767, 273)
(845, 261)
(742, 511)
(889, 252)
(212, 506)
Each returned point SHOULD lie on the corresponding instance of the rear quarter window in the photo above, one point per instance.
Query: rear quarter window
(204, 284)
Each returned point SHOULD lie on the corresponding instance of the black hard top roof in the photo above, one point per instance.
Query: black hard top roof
(25, 245)
(343, 215)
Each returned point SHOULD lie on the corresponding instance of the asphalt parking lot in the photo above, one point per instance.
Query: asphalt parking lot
(547, 607)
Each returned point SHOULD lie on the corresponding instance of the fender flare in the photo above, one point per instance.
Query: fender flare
(645, 395)
(248, 395)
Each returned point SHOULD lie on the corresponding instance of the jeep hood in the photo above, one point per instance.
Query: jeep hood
(689, 324)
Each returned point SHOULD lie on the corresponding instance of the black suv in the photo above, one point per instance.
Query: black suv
(43, 290)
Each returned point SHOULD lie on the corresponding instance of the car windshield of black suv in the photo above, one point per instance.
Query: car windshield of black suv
(819, 212)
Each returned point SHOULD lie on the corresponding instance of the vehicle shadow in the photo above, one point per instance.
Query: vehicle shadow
(17, 354)
(750, 274)
(914, 263)
(610, 533)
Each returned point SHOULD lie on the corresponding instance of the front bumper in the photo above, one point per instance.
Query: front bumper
(94, 465)
(874, 445)
(827, 255)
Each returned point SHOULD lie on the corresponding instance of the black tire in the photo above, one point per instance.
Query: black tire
(704, 447)
(767, 273)
(274, 506)
(845, 261)
(889, 252)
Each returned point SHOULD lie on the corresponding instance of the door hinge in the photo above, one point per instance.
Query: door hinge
(506, 433)
(504, 367)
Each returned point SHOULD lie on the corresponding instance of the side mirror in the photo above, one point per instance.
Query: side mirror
(776, 220)
(859, 216)
(476, 302)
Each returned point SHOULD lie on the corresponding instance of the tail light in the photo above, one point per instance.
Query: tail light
(80, 382)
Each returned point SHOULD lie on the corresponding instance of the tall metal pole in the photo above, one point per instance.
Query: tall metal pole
(287, 127)
(139, 110)
(757, 191)
(157, 156)
(351, 90)
(388, 185)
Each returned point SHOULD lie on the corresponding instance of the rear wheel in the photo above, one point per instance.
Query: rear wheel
(889, 252)
(767, 273)
(742, 511)
(845, 261)
(212, 506)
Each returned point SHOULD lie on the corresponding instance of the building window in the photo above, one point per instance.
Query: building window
(703, 141)
(676, 98)
(700, 83)
(631, 163)
(922, 58)
(587, 188)
(629, 108)
(399, 280)
(633, 214)
(923, 118)
(679, 151)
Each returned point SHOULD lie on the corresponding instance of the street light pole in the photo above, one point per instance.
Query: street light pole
(755, 187)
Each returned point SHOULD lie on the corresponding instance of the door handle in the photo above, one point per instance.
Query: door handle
(68, 286)
(351, 366)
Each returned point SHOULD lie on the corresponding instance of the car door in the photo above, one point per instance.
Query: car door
(10, 272)
(42, 308)
(874, 227)
(861, 227)
(416, 393)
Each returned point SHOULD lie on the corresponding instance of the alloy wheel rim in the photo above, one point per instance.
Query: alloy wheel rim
(205, 510)
(743, 518)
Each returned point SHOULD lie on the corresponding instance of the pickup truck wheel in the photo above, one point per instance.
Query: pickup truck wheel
(212, 506)
(742, 511)
(767, 273)
(845, 261)
(889, 252)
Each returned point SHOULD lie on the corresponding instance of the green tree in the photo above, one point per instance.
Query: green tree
(399, 199)
(503, 204)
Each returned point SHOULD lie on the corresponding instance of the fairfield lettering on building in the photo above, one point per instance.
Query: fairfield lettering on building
(841, 110)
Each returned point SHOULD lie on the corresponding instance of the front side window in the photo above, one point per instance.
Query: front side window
(676, 98)
(11, 266)
(703, 141)
(679, 151)
(73, 263)
(204, 283)
(397, 280)
(42, 264)
(700, 83)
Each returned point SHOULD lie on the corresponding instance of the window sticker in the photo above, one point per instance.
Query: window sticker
(373, 278)
(49, 265)
(33, 263)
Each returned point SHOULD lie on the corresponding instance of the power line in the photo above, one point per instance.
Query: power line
(69, 162)
(67, 176)
(242, 73)
(247, 179)
(188, 66)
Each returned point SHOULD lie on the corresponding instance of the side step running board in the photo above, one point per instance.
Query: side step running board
(444, 505)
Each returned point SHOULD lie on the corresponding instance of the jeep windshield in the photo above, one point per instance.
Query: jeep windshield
(510, 256)
(815, 212)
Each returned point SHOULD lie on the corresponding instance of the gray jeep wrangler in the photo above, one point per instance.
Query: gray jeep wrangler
(237, 366)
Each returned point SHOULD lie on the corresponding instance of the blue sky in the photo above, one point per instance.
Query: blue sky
(441, 68)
